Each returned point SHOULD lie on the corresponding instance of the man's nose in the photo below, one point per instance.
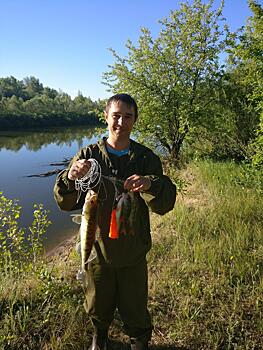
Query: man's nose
(120, 121)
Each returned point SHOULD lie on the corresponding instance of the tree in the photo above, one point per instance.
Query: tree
(233, 125)
(172, 77)
(82, 104)
(51, 93)
(11, 86)
(32, 87)
(247, 59)
(14, 104)
(40, 105)
(64, 102)
(27, 103)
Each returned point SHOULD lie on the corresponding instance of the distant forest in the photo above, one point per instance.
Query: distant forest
(28, 104)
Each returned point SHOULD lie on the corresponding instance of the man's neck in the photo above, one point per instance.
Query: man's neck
(118, 144)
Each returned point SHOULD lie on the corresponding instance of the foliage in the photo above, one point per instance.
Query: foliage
(173, 76)
(27, 104)
(175, 175)
(249, 53)
(232, 128)
(257, 159)
(20, 249)
(247, 59)
(235, 119)
(250, 176)
(256, 55)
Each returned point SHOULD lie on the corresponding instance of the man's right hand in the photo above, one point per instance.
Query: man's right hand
(78, 169)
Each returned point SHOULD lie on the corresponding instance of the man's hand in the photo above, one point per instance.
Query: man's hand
(136, 183)
(79, 169)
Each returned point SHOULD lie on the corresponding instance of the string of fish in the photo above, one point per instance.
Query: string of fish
(88, 217)
(123, 205)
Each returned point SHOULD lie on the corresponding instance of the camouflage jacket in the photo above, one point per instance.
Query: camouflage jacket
(160, 198)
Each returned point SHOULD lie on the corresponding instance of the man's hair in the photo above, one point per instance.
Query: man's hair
(125, 98)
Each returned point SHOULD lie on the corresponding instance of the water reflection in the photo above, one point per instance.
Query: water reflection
(35, 140)
(25, 153)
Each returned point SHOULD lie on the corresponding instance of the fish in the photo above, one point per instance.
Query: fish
(88, 227)
(120, 214)
(124, 209)
(133, 212)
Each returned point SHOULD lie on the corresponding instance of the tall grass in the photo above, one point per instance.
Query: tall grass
(206, 264)
(43, 309)
(205, 276)
(40, 301)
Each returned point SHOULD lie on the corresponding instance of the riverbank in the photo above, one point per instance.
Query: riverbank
(63, 249)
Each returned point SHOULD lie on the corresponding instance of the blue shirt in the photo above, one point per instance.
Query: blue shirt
(117, 152)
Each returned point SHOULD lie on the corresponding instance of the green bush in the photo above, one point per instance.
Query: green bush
(20, 247)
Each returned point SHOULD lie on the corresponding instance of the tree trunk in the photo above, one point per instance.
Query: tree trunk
(175, 153)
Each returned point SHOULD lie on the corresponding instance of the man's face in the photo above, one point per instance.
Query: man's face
(120, 119)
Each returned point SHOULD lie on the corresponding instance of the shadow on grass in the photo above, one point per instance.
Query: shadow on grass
(116, 345)
(167, 347)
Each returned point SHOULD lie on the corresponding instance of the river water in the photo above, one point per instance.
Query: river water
(28, 153)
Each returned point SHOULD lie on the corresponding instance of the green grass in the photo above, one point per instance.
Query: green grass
(205, 276)
(206, 287)
(43, 310)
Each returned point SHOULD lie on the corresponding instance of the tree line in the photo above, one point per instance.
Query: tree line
(198, 85)
(28, 104)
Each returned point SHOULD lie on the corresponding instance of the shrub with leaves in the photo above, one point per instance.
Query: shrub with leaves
(20, 247)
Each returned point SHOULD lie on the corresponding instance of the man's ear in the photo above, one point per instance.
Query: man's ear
(105, 115)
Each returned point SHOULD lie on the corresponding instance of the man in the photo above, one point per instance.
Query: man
(117, 278)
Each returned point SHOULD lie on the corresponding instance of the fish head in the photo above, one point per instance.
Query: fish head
(91, 200)
(91, 197)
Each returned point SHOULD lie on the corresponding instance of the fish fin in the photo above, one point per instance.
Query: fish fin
(113, 226)
(76, 218)
(81, 275)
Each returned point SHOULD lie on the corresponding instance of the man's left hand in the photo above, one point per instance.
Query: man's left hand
(137, 183)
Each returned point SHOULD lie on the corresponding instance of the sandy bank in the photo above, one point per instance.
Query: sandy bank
(64, 248)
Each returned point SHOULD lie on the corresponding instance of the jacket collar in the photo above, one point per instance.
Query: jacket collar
(136, 150)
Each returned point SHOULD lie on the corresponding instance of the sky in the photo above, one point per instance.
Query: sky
(65, 43)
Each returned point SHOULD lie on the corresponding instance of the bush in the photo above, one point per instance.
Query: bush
(19, 248)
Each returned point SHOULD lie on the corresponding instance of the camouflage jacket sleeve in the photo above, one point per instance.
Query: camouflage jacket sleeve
(162, 194)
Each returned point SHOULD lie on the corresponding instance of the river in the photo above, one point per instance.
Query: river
(32, 152)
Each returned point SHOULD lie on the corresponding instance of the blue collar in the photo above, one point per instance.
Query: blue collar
(117, 152)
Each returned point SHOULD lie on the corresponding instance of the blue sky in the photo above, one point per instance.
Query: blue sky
(64, 43)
